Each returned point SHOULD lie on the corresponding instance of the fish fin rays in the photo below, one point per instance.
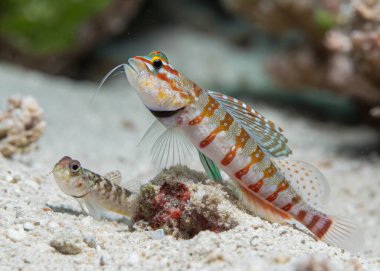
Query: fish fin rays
(114, 177)
(344, 233)
(82, 205)
(268, 135)
(151, 135)
(306, 180)
(133, 186)
(168, 146)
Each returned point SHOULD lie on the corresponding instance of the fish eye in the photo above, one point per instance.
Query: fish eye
(75, 166)
(157, 64)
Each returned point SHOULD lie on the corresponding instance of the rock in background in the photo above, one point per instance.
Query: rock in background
(55, 36)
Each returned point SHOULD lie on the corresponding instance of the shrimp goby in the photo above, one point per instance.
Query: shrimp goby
(102, 196)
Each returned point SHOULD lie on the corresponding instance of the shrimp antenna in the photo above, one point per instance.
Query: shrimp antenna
(115, 71)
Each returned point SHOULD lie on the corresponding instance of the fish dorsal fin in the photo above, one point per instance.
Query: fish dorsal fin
(133, 186)
(306, 180)
(168, 146)
(268, 135)
(114, 177)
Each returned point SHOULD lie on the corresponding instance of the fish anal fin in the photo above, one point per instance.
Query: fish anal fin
(260, 206)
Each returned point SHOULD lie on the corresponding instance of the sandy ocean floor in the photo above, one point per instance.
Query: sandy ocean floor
(103, 135)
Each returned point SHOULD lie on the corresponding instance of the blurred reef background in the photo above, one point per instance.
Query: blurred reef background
(320, 57)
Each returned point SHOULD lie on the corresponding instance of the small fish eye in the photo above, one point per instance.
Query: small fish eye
(74, 166)
(157, 64)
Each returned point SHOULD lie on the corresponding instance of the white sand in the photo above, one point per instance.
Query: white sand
(96, 135)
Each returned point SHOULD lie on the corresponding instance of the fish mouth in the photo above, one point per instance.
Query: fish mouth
(135, 65)
(133, 70)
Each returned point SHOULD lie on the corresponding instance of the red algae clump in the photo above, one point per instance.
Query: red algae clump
(182, 208)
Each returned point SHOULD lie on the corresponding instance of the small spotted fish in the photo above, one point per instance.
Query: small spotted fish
(102, 196)
(232, 136)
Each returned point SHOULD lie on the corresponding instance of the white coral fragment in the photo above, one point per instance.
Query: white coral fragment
(21, 125)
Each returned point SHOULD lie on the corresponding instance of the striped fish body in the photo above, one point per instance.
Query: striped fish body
(107, 199)
(219, 136)
(102, 196)
(240, 141)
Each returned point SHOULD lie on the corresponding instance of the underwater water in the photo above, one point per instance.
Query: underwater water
(179, 219)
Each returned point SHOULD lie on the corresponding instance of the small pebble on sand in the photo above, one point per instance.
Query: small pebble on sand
(28, 226)
(16, 235)
(104, 259)
(67, 245)
(157, 234)
(90, 241)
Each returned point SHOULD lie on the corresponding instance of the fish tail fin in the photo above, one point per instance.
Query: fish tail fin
(338, 231)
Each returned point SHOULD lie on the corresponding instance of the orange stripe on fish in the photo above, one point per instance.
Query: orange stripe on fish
(322, 231)
(256, 157)
(207, 111)
(229, 156)
(170, 70)
(301, 215)
(223, 126)
(313, 221)
(287, 207)
(282, 186)
(275, 213)
(256, 186)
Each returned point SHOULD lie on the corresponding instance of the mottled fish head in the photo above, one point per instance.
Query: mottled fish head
(69, 176)
(158, 84)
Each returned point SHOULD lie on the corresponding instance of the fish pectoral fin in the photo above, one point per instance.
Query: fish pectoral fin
(309, 183)
(210, 168)
(268, 135)
(155, 130)
(260, 206)
(114, 177)
(81, 204)
(168, 146)
(98, 212)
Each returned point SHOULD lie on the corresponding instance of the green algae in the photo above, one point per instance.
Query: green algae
(43, 26)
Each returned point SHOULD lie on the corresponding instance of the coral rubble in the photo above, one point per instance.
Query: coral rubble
(183, 206)
(21, 125)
